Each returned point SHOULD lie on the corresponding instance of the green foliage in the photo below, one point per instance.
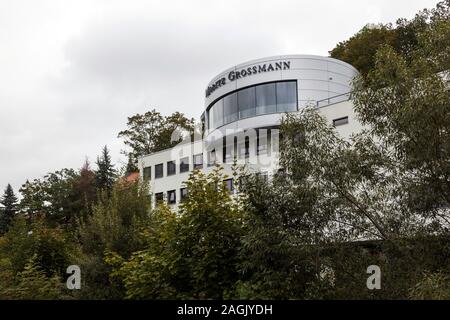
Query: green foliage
(33, 284)
(52, 248)
(361, 48)
(115, 226)
(192, 255)
(406, 38)
(435, 286)
(7, 213)
(105, 175)
(151, 132)
(52, 197)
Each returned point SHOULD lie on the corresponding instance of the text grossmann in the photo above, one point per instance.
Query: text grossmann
(234, 75)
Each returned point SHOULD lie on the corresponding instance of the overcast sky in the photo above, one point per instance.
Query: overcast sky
(71, 72)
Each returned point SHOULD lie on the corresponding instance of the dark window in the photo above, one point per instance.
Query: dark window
(171, 197)
(198, 161)
(171, 168)
(159, 197)
(340, 121)
(184, 165)
(247, 147)
(247, 103)
(159, 171)
(229, 185)
(286, 96)
(266, 100)
(147, 173)
(230, 108)
(183, 194)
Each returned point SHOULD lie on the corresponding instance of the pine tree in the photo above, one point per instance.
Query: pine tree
(9, 201)
(131, 165)
(105, 174)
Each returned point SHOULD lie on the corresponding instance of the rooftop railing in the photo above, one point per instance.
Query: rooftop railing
(333, 100)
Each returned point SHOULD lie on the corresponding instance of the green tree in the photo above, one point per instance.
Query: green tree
(9, 202)
(404, 38)
(33, 284)
(192, 255)
(52, 197)
(151, 132)
(105, 175)
(361, 48)
(114, 226)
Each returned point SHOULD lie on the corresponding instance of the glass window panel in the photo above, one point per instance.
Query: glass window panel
(171, 168)
(340, 121)
(159, 197)
(247, 103)
(159, 171)
(171, 197)
(147, 173)
(286, 96)
(217, 114)
(183, 194)
(229, 185)
(198, 161)
(211, 158)
(266, 100)
(230, 108)
(184, 165)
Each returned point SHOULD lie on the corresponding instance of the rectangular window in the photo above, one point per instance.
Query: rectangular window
(229, 185)
(340, 121)
(227, 152)
(183, 194)
(286, 96)
(198, 161)
(147, 173)
(159, 171)
(172, 197)
(171, 168)
(184, 165)
(212, 158)
(266, 99)
(217, 111)
(230, 108)
(261, 141)
(247, 103)
(244, 148)
(159, 197)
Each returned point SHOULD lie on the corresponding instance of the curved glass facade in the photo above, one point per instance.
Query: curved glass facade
(274, 97)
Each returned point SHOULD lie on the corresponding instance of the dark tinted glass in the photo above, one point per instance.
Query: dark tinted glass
(171, 168)
(159, 171)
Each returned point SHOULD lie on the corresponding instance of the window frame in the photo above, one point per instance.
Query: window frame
(147, 177)
(342, 121)
(213, 126)
(171, 165)
(183, 165)
(162, 171)
(169, 193)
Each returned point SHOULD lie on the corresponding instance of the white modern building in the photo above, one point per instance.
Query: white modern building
(244, 106)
